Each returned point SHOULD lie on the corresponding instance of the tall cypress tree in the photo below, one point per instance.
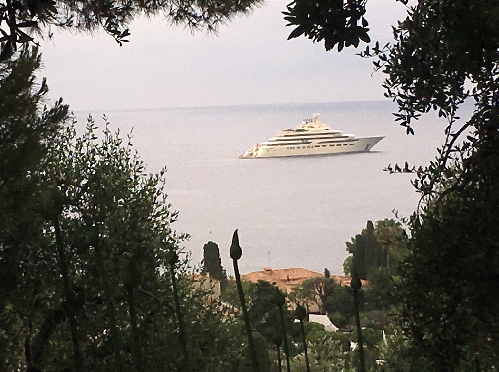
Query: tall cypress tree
(212, 263)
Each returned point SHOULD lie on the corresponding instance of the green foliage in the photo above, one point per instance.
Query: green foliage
(377, 247)
(338, 319)
(371, 337)
(395, 353)
(367, 252)
(245, 364)
(263, 301)
(26, 128)
(115, 225)
(380, 295)
(456, 42)
(314, 292)
(336, 22)
(214, 341)
(347, 265)
(118, 244)
(444, 53)
(316, 332)
(231, 296)
(264, 314)
(340, 302)
(448, 281)
(27, 255)
(328, 351)
(300, 312)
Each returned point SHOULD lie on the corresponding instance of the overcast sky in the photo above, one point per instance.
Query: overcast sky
(249, 61)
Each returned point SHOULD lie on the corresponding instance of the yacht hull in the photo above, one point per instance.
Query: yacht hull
(332, 147)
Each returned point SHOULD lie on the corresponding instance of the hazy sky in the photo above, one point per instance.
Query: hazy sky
(249, 61)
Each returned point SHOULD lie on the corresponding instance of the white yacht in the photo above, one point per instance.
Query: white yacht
(312, 137)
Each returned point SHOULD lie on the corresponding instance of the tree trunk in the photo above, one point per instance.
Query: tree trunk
(115, 336)
(69, 297)
(279, 362)
(178, 310)
(137, 354)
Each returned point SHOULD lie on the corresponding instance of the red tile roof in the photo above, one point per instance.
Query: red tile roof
(287, 279)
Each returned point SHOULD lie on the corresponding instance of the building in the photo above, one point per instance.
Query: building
(323, 320)
(288, 279)
(206, 282)
(284, 279)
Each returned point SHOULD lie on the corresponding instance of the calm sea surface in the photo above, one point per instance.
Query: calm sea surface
(290, 212)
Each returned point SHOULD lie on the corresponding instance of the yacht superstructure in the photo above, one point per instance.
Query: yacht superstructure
(312, 137)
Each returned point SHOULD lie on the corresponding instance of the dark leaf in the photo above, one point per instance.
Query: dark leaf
(364, 37)
(341, 44)
(296, 32)
(329, 44)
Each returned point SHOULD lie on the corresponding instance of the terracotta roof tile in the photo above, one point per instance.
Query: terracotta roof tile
(287, 279)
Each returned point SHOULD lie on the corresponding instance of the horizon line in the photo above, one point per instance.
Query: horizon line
(223, 106)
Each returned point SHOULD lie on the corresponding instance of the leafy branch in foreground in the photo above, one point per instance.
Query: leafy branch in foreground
(21, 20)
(115, 233)
(337, 22)
(27, 254)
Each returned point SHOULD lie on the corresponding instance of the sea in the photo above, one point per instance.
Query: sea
(289, 212)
